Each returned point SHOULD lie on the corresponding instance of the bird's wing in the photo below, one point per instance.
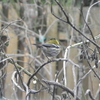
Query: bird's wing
(50, 45)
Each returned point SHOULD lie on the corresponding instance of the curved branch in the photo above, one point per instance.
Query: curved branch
(49, 61)
(61, 86)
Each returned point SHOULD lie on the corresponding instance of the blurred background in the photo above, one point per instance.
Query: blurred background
(25, 22)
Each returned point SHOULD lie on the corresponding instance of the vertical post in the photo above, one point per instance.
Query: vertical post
(20, 50)
(5, 7)
(11, 49)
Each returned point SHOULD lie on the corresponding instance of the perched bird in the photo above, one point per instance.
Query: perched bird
(51, 48)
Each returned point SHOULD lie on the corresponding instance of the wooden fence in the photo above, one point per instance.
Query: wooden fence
(90, 82)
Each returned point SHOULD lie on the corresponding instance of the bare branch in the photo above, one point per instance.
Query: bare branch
(61, 86)
(90, 95)
(68, 21)
(49, 61)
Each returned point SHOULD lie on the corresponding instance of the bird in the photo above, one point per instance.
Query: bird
(51, 48)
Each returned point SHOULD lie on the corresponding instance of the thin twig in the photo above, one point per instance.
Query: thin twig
(8, 25)
(68, 21)
(17, 85)
(54, 88)
(87, 24)
(86, 55)
(18, 73)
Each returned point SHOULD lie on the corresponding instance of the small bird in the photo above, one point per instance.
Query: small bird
(51, 48)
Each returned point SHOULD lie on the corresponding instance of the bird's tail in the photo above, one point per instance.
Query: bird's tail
(38, 45)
